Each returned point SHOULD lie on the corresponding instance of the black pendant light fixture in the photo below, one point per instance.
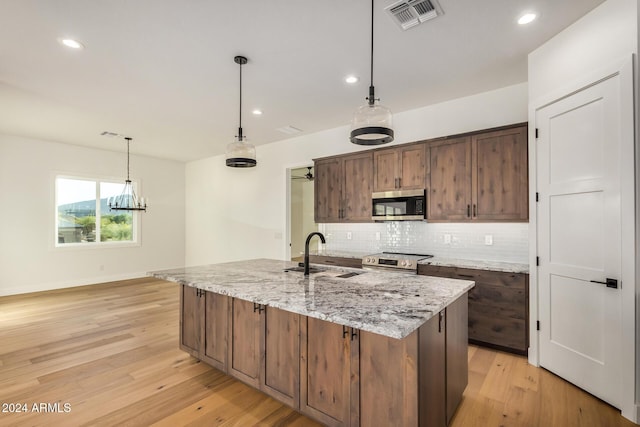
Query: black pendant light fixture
(127, 200)
(241, 154)
(372, 122)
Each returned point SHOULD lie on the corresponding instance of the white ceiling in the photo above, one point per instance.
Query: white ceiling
(162, 71)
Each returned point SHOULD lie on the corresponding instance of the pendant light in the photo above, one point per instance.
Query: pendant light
(241, 154)
(371, 124)
(127, 201)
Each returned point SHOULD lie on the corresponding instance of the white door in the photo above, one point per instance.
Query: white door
(579, 238)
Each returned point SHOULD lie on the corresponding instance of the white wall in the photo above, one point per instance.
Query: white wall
(602, 38)
(234, 214)
(28, 259)
(301, 212)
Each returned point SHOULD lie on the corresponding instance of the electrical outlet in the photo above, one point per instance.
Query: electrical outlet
(377, 235)
(447, 239)
(349, 235)
(488, 239)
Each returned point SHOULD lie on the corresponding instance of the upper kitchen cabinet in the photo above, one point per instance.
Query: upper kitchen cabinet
(343, 187)
(481, 177)
(400, 168)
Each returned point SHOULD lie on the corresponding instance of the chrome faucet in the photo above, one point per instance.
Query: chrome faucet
(306, 249)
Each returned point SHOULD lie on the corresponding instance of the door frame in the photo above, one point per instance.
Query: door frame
(630, 223)
(287, 176)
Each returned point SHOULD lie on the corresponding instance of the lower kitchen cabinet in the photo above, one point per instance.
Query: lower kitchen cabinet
(337, 375)
(246, 341)
(329, 363)
(265, 349)
(204, 325)
(498, 306)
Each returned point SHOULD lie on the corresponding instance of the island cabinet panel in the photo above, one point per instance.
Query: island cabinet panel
(216, 329)
(498, 307)
(401, 168)
(281, 371)
(203, 325)
(457, 372)
(245, 349)
(191, 320)
(388, 380)
(432, 367)
(326, 362)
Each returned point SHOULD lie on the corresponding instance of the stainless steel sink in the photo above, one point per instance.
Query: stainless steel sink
(301, 270)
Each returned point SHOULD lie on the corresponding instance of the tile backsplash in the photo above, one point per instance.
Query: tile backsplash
(509, 241)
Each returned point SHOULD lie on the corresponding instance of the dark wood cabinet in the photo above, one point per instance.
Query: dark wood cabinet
(343, 187)
(457, 337)
(204, 326)
(498, 306)
(481, 177)
(433, 371)
(400, 168)
(281, 367)
(327, 360)
(258, 331)
(501, 183)
(450, 180)
(246, 341)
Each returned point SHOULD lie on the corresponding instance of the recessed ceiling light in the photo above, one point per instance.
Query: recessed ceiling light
(527, 18)
(257, 112)
(73, 44)
(351, 79)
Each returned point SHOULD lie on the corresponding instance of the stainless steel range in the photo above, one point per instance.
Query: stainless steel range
(394, 261)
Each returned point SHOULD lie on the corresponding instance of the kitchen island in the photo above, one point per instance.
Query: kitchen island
(343, 346)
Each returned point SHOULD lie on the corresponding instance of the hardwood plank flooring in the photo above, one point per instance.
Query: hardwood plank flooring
(110, 353)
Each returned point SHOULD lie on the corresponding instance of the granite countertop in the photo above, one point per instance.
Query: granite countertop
(390, 304)
(508, 267)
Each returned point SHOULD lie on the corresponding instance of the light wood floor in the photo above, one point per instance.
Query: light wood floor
(110, 352)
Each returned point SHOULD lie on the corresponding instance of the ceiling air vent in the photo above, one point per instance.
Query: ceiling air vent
(409, 13)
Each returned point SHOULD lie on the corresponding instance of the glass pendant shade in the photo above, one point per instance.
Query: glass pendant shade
(372, 124)
(241, 154)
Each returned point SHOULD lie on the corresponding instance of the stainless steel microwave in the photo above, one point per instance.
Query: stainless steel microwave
(402, 205)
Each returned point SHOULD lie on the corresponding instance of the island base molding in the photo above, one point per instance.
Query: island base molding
(336, 375)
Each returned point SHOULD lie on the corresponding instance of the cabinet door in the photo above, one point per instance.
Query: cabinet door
(388, 380)
(328, 190)
(450, 194)
(216, 330)
(412, 167)
(282, 356)
(432, 376)
(190, 320)
(245, 349)
(501, 175)
(325, 371)
(386, 170)
(457, 353)
(356, 190)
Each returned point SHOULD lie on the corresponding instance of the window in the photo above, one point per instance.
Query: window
(83, 216)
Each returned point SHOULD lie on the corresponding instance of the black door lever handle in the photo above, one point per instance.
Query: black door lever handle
(611, 283)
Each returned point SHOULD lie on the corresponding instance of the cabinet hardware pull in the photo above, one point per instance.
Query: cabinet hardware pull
(400, 182)
(475, 212)
(466, 276)
(354, 334)
(345, 332)
(258, 307)
(468, 210)
(440, 319)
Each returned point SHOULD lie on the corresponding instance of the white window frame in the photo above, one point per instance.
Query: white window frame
(135, 221)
